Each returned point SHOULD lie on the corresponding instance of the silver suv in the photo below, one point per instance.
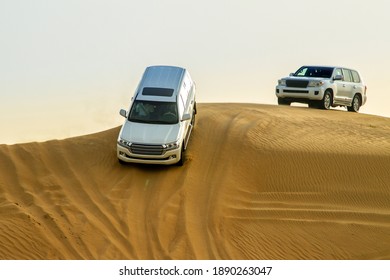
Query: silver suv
(323, 87)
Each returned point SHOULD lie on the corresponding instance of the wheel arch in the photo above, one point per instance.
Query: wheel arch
(331, 92)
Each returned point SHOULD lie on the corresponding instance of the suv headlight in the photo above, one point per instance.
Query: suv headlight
(315, 83)
(281, 82)
(171, 146)
(124, 143)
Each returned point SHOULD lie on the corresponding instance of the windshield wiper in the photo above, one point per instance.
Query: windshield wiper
(161, 122)
(138, 120)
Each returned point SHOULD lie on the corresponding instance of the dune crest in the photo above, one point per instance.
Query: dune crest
(259, 182)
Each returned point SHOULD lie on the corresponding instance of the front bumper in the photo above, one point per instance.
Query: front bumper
(166, 158)
(309, 93)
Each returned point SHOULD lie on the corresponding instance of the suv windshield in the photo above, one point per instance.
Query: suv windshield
(153, 112)
(315, 72)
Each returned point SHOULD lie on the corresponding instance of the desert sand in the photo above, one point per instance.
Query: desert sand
(259, 182)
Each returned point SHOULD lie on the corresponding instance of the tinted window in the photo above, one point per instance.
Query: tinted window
(315, 72)
(355, 76)
(157, 91)
(347, 75)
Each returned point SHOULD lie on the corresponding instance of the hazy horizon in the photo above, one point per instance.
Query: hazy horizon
(67, 67)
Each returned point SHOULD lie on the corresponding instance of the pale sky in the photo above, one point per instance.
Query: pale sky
(67, 67)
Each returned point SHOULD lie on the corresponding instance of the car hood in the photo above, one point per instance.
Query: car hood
(150, 133)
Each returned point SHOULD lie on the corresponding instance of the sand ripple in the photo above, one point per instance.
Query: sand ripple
(260, 182)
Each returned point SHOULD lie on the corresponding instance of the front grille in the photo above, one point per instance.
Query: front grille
(296, 83)
(141, 149)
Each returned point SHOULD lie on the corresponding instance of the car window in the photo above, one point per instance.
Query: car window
(301, 72)
(355, 76)
(158, 91)
(315, 72)
(338, 72)
(347, 75)
(153, 112)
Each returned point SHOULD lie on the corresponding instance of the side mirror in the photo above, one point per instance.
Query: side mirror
(338, 78)
(291, 74)
(186, 117)
(123, 113)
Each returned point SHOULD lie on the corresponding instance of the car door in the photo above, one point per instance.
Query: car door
(357, 85)
(348, 86)
(339, 94)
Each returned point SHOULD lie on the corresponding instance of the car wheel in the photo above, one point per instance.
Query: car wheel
(193, 119)
(122, 162)
(282, 101)
(355, 104)
(182, 157)
(326, 101)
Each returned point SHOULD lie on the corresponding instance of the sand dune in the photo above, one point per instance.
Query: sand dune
(259, 182)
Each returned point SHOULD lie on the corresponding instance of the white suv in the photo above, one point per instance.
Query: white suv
(323, 87)
(160, 118)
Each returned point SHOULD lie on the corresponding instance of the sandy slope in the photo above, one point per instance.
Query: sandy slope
(260, 182)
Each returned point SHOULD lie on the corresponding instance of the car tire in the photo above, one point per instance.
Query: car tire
(182, 157)
(326, 101)
(122, 162)
(355, 106)
(282, 101)
(193, 119)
